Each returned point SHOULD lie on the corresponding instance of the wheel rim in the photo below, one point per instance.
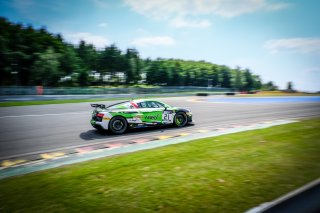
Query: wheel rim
(117, 125)
(180, 119)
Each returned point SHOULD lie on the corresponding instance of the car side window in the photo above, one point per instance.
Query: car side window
(142, 105)
(153, 104)
(160, 105)
(150, 104)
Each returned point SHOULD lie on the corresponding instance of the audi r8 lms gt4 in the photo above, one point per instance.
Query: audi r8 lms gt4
(117, 118)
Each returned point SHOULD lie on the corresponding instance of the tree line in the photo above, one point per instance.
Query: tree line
(30, 56)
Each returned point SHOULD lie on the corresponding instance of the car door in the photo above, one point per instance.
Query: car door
(166, 114)
(151, 111)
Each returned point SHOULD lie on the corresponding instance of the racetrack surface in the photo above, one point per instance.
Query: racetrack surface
(29, 130)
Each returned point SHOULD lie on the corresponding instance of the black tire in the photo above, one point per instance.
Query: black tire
(118, 125)
(180, 119)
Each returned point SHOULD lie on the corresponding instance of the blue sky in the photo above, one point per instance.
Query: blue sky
(279, 40)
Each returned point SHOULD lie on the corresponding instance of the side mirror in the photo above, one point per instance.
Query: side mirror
(165, 108)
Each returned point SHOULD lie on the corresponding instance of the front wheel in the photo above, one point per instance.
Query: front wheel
(118, 125)
(180, 119)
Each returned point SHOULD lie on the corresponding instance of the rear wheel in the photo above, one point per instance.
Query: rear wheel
(180, 119)
(118, 125)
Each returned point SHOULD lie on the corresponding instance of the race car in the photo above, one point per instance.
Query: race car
(118, 117)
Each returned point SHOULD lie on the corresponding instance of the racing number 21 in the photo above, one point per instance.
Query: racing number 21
(167, 116)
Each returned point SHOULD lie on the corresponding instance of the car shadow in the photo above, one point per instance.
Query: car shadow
(94, 134)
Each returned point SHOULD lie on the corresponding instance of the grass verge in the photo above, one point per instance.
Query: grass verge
(230, 173)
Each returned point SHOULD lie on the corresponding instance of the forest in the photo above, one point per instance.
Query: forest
(30, 57)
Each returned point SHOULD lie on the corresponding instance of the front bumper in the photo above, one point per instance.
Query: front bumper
(189, 117)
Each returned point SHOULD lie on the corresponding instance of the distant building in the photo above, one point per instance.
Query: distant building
(118, 77)
(143, 77)
(95, 75)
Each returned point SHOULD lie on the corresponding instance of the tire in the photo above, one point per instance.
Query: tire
(118, 125)
(180, 119)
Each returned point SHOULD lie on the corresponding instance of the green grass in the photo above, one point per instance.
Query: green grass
(230, 173)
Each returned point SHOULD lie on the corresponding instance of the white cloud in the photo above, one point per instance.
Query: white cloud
(300, 45)
(96, 40)
(179, 22)
(103, 24)
(170, 10)
(154, 41)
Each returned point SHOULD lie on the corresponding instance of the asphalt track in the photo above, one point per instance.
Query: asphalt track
(30, 130)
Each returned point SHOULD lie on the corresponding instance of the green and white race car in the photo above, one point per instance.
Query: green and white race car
(117, 118)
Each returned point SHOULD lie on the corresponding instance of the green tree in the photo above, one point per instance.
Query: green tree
(162, 76)
(132, 66)
(88, 55)
(248, 85)
(83, 78)
(290, 86)
(176, 71)
(188, 78)
(204, 77)
(152, 72)
(24, 52)
(270, 86)
(257, 82)
(237, 80)
(70, 62)
(214, 75)
(46, 69)
(226, 77)
(111, 61)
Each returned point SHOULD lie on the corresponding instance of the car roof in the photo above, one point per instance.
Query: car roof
(134, 101)
(143, 100)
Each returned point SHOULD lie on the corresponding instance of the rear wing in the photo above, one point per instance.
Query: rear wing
(98, 105)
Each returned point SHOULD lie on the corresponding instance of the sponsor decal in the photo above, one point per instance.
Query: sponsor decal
(152, 117)
(168, 112)
(134, 120)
